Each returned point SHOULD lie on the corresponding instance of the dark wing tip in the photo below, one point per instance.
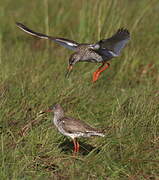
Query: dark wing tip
(123, 31)
(20, 25)
(17, 23)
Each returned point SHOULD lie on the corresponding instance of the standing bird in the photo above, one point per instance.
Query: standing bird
(99, 52)
(72, 127)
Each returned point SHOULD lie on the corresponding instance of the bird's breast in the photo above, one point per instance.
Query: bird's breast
(91, 56)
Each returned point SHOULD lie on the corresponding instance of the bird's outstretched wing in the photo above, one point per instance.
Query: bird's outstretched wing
(115, 44)
(61, 41)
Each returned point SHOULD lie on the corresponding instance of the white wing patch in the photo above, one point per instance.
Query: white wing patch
(113, 54)
(71, 44)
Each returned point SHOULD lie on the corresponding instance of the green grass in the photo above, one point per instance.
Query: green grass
(125, 100)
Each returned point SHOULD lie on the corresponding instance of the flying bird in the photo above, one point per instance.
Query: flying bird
(99, 52)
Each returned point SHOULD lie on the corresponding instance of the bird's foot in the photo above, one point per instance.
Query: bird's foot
(97, 73)
(96, 76)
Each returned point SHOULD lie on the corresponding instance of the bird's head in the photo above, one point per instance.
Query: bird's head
(73, 60)
(56, 109)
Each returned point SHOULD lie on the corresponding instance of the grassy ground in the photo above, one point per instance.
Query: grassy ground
(125, 100)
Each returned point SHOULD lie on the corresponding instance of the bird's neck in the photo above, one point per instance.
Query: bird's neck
(58, 116)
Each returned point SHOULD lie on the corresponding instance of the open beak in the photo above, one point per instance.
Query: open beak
(69, 70)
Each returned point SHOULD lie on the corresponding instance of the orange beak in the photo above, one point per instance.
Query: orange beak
(69, 70)
(46, 111)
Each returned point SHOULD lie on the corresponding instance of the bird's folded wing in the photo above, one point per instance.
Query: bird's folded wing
(61, 41)
(114, 44)
(76, 126)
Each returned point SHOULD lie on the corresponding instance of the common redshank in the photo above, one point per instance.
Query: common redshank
(72, 127)
(99, 52)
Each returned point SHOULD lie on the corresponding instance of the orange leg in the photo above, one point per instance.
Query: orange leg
(97, 73)
(78, 146)
(75, 146)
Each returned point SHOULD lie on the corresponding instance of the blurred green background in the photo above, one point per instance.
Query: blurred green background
(124, 101)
